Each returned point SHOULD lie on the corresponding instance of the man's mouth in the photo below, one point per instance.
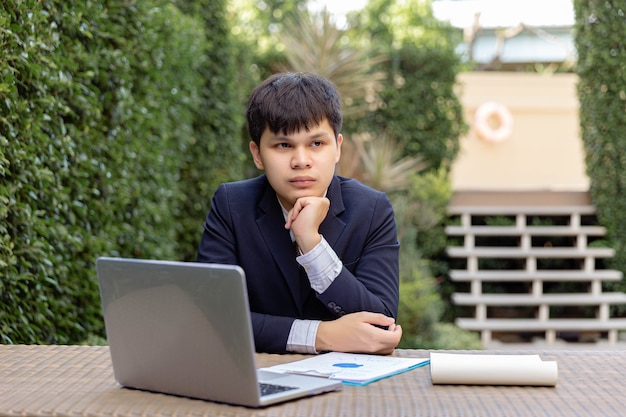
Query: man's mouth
(302, 181)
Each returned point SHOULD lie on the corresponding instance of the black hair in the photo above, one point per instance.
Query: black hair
(287, 102)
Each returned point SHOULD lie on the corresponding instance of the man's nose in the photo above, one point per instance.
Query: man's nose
(300, 158)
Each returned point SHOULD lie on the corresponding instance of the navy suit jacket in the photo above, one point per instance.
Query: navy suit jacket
(245, 227)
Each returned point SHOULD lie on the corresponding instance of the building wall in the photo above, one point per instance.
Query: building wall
(544, 151)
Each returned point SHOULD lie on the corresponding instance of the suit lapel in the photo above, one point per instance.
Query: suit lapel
(271, 224)
(332, 227)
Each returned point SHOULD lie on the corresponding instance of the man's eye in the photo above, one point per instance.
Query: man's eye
(318, 143)
(282, 145)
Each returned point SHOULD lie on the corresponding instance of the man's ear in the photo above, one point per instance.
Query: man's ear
(339, 142)
(256, 154)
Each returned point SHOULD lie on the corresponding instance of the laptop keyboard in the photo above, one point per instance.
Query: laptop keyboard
(268, 389)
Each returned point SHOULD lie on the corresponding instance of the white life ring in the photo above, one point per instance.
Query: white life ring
(493, 122)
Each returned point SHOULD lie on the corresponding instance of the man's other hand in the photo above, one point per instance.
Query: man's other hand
(359, 332)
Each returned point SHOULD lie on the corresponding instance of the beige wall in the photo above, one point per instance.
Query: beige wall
(544, 151)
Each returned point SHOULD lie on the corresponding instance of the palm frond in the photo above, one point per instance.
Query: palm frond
(382, 166)
(314, 44)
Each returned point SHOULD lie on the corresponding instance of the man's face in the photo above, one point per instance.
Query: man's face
(298, 165)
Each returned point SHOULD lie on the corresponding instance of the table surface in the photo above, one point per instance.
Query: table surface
(78, 381)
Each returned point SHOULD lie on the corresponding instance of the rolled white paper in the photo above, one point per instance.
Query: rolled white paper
(481, 369)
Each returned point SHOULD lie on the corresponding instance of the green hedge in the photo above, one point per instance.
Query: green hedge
(217, 151)
(423, 111)
(103, 105)
(601, 67)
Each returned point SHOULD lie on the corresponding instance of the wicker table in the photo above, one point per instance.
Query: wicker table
(78, 381)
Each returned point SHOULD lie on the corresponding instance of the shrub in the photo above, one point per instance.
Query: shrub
(601, 67)
(420, 109)
(99, 101)
(420, 213)
(215, 152)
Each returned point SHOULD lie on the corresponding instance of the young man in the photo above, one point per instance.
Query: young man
(320, 252)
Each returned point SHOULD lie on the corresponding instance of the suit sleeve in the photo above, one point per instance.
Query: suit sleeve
(219, 245)
(371, 281)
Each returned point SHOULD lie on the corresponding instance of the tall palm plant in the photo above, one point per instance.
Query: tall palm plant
(381, 165)
(313, 43)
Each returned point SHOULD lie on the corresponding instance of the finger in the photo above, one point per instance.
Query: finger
(377, 319)
(390, 333)
(288, 223)
(390, 340)
(293, 214)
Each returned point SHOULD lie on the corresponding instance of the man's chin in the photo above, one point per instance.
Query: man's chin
(290, 200)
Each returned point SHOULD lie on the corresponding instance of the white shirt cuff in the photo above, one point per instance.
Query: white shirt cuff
(322, 266)
(302, 336)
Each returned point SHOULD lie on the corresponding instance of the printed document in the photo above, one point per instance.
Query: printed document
(351, 368)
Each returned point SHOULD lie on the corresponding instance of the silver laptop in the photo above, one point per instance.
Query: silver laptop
(184, 329)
